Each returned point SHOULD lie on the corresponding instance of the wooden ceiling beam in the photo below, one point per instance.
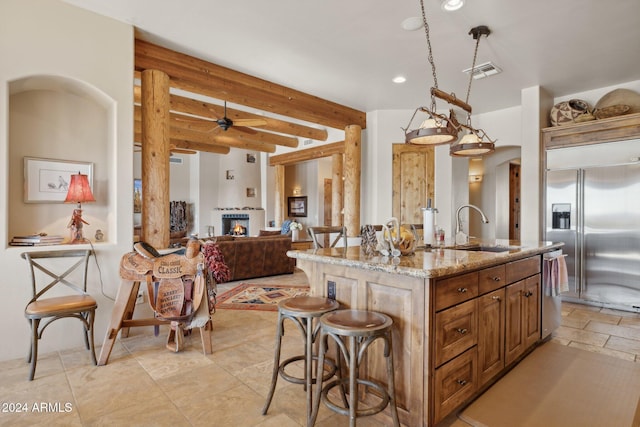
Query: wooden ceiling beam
(307, 154)
(217, 141)
(200, 146)
(208, 129)
(207, 138)
(188, 145)
(199, 76)
(212, 111)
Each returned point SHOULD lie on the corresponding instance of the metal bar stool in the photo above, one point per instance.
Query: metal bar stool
(302, 311)
(360, 328)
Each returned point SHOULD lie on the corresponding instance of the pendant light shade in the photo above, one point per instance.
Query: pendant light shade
(432, 132)
(471, 145)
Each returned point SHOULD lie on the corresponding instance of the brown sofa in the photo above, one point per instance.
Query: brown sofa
(249, 257)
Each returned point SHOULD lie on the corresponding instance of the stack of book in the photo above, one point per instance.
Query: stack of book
(36, 240)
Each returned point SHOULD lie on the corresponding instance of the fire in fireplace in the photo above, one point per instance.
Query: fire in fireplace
(232, 223)
(239, 230)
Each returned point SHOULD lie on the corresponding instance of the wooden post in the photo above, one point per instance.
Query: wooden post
(337, 187)
(352, 173)
(279, 209)
(155, 158)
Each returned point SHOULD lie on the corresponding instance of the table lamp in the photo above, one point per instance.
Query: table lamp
(79, 192)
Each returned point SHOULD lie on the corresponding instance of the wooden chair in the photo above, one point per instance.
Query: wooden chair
(325, 232)
(78, 304)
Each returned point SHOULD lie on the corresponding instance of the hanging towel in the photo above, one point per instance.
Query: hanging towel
(556, 278)
(563, 275)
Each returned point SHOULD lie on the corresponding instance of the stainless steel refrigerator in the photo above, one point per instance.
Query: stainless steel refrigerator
(593, 206)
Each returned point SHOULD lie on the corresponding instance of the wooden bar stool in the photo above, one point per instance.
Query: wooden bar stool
(302, 311)
(358, 329)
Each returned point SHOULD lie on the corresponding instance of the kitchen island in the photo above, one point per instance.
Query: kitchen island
(462, 316)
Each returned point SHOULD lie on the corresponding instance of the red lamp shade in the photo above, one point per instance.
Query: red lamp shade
(79, 190)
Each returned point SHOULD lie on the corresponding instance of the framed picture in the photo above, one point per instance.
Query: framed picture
(47, 180)
(230, 174)
(298, 206)
(137, 196)
(251, 192)
(251, 158)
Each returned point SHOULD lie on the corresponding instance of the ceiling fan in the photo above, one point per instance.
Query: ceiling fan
(226, 123)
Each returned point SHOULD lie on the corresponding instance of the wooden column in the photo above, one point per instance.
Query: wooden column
(352, 173)
(337, 187)
(279, 208)
(155, 158)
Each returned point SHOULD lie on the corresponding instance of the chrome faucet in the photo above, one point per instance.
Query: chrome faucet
(461, 237)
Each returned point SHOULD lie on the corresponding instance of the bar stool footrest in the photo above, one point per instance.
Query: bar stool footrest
(330, 372)
(372, 410)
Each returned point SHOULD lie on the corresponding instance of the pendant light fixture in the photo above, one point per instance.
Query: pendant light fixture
(476, 142)
(439, 129)
(436, 129)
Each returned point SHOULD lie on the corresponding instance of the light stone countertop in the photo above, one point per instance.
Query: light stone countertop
(429, 263)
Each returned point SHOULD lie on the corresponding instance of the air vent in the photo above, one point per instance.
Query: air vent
(483, 70)
(175, 160)
(307, 142)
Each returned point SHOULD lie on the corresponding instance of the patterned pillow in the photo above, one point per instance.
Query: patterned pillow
(286, 225)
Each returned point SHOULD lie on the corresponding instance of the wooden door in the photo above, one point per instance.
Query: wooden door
(491, 311)
(531, 310)
(514, 341)
(413, 181)
(514, 201)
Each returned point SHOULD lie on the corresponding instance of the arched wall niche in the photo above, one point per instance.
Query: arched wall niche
(60, 118)
(491, 194)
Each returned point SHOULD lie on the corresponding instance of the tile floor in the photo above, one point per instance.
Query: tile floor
(144, 384)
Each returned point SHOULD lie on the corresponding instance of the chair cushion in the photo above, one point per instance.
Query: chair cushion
(47, 307)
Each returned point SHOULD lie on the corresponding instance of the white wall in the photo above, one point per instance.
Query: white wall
(50, 38)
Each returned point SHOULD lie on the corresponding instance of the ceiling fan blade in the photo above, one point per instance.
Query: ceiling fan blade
(249, 122)
(245, 130)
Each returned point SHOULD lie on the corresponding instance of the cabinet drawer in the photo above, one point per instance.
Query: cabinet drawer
(518, 270)
(456, 331)
(491, 279)
(455, 382)
(456, 290)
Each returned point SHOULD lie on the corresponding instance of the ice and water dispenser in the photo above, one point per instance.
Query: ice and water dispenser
(561, 216)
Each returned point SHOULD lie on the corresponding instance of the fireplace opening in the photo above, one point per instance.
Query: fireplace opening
(235, 224)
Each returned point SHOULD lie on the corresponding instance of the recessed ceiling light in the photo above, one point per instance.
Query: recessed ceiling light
(451, 5)
(412, 24)
(399, 79)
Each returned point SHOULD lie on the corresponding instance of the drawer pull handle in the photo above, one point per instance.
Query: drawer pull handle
(496, 297)
(462, 290)
(496, 279)
(462, 382)
(528, 294)
(461, 331)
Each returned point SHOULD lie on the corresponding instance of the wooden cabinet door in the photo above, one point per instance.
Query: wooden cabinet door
(413, 181)
(456, 331)
(491, 312)
(531, 310)
(455, 383)
(514, 339)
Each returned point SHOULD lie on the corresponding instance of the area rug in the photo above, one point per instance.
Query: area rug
(563, 386)
(247, 296)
